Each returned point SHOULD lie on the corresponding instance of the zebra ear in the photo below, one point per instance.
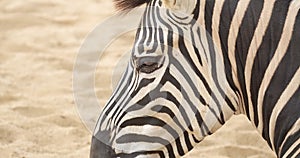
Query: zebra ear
(186, 6)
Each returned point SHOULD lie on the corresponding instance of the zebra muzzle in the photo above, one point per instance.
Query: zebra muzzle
(101, 150)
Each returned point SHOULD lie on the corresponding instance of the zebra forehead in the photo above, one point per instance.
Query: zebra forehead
(126, 5)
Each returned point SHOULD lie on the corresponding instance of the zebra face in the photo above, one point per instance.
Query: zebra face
(156, 108)
(175, 90)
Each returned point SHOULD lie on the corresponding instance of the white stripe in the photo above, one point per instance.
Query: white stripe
(138, 146)
(215, 26)
(201, 19)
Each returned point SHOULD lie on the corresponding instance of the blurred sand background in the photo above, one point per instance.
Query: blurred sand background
(39, 40)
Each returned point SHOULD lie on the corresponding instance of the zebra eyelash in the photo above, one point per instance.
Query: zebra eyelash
(127, 5)
(149, 64)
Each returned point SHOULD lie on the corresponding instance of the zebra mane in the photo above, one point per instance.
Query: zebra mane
(126, 5)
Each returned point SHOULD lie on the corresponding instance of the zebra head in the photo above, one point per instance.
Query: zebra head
(165, 102)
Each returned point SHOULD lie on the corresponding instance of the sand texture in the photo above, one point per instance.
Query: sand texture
(39, 41)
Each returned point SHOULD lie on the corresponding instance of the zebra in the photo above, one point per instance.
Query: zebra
(196, 63)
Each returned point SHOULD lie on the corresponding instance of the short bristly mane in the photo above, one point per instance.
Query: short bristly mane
(126, 5)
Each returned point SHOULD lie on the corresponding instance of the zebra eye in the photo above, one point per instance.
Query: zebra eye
(149, 64)
(148, 67)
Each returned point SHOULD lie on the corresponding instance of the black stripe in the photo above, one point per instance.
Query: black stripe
(196, 12)
(119, 110)
(182, 69)
(266, 52)
(172, 19)
(114, 99)
(187, 56)
(195, 47)
(205, 53)
(148, 120)
(148, 26)
(293, 152)
(142, 31)
(163, 109)
(179, 146)
(143, 83)
(203, 127)
(227, 13)
(153, 95)
(209, 8)
(187, 141)
(168, 111)
(127, 76)
(289, 142)
(196, 92)
(285, 120)
(170, 33)
(170, 96)
(244, 38)
(123, 102)
(195, 139)
(282, 77)
(160, 38)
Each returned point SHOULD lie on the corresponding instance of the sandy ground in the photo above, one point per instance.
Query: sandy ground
(39, 41)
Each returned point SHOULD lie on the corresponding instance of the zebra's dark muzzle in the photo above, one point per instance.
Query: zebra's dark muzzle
(100, 149)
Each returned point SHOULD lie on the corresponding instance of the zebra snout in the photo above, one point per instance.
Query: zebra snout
(100, 149)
